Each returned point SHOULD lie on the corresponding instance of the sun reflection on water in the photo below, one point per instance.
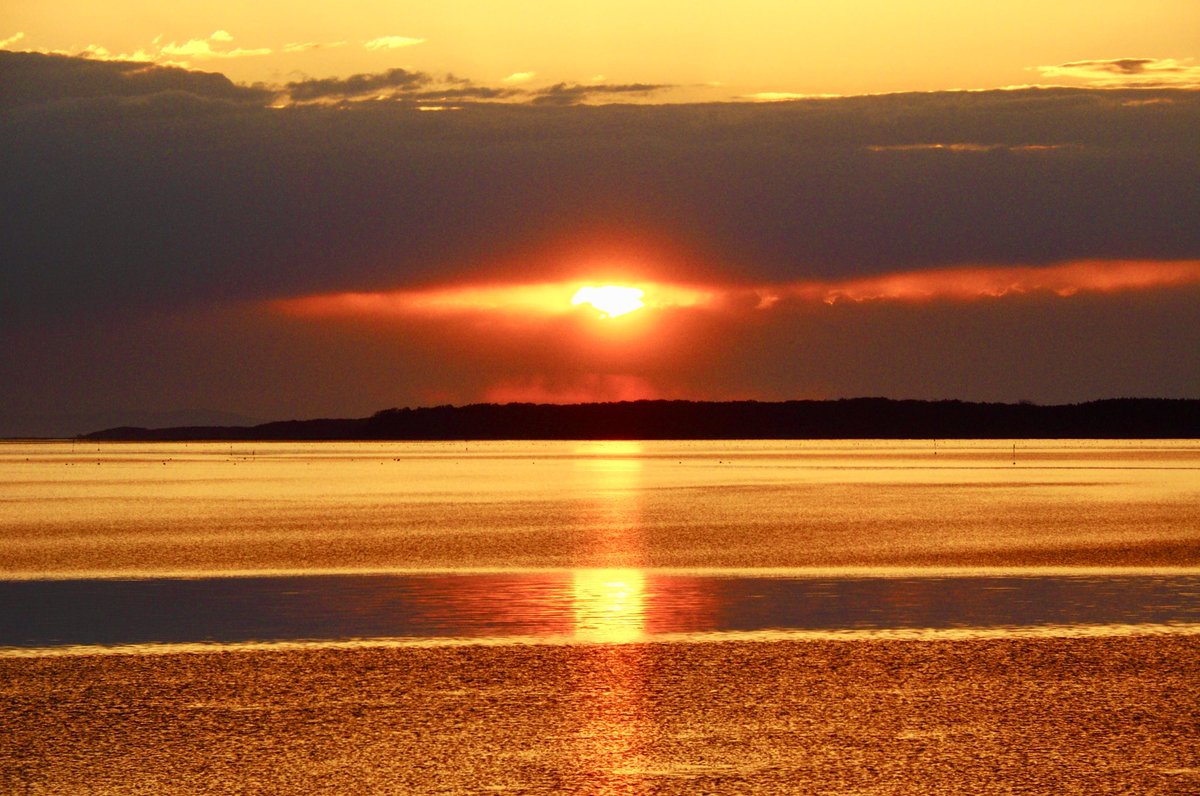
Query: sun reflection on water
(609, 605)
(610, 476)
(609, 608)
(609, 599)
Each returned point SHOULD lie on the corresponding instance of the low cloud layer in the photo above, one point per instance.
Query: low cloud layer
(575, 93)
(393, 80)
(33, 79)
(404, 85)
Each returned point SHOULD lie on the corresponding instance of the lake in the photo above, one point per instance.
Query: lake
(734, 616)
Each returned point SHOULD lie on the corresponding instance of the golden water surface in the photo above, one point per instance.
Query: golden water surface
(642, 559)
(203, 508)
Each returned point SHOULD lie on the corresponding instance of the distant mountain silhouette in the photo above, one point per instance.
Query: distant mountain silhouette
(856, 418)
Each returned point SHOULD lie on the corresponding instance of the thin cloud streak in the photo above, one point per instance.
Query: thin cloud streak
(552, 298)
(392, 42)
(968, 284)
(307, 46)
(953, 284)
(1129, 72)
(577, 93)
(784, 96)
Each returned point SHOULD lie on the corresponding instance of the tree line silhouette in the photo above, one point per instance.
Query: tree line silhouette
(854, 418)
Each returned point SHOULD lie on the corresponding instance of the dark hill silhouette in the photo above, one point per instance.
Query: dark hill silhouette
(857, 418)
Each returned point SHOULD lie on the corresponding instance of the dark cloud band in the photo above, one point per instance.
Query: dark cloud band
(135, 187)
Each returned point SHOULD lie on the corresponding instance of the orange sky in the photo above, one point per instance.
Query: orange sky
(704, 51)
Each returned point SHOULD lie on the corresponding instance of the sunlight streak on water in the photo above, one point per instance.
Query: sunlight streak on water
(609, 605)
(609, 477)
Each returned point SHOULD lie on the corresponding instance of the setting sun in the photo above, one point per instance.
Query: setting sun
(611, 300)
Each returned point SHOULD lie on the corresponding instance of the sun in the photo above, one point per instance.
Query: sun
(611, 300)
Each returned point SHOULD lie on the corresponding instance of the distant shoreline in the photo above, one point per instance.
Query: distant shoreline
(853, 418)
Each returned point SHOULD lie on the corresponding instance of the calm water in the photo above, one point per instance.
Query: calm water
(610, 606)
(118, 544)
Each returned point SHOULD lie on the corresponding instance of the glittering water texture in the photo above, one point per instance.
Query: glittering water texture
(1085, 716)
(141, 509)
(782, 617)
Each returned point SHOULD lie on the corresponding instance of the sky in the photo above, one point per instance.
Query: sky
(224, 212)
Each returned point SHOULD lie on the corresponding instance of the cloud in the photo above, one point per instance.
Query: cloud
(396, 85)
(393, 80)
(133, 187)
(457, 93)
(391, 42)
(784, 96)
(967, 284)
(406, 85)
(97, 53)
(1129, 72)
(549, 298)
(173, 54)
(576, 93)
(306, 46)
(512, 303)
(16, 37)
(35, 79)
(202, 49)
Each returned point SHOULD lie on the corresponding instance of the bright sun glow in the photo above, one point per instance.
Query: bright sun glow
(611, 300)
